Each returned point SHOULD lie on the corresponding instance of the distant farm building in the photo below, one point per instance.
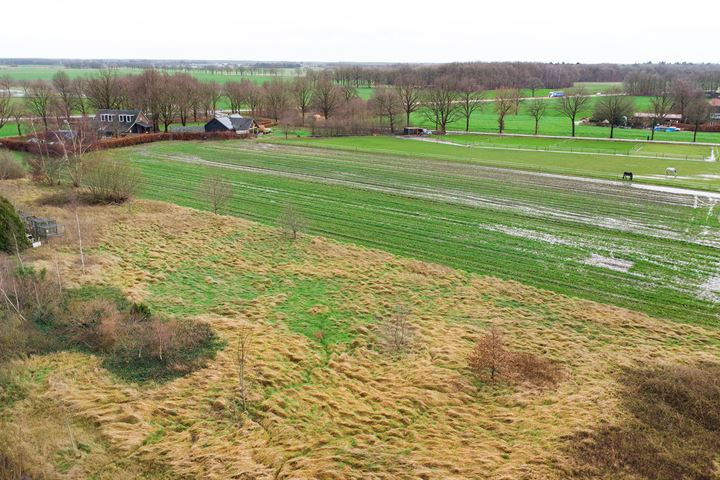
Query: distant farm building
(122, 122)
(233, 123)
(645, 119)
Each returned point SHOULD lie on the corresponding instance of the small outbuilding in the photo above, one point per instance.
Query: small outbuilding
(233, 123)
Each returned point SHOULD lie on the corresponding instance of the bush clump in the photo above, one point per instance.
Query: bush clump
(110, 181)
(39, 316)
(12, 231)
(672, 429)
(10, 169)
(491, 360)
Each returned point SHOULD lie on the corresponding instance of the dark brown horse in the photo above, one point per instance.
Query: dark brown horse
(627, 176)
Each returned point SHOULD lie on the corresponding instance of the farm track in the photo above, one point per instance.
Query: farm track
(537, 229)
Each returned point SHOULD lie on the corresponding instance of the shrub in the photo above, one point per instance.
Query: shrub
(110, 181)
(491, 359)
(489, 356)
(10, 169)
(12, 231)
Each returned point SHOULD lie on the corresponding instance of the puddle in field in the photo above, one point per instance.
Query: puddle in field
(529, 234)
(710, 290)
(616, 264)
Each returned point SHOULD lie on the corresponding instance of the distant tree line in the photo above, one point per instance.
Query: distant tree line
(329, 102)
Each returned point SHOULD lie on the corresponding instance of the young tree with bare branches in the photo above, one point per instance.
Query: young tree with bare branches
(574, 103)
(504, 103)
(410, 94)
(65, 95)
(471, 97)
(292, 221)
(216, 191)
(301, 94)
(6, 106)
(661, 104)
(537, 109)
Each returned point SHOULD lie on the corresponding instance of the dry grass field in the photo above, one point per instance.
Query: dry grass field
(325, 398)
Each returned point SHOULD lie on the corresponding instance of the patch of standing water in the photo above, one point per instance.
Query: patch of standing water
(710, 290)
(610, 263)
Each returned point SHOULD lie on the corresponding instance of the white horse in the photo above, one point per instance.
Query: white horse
(671, 171)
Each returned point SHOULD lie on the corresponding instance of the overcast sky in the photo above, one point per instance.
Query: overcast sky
(625, 31)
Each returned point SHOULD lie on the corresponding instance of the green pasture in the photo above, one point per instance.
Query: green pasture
(450, 209)
(586, 160)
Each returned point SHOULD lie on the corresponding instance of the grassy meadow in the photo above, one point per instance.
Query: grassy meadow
(326, 399)
(432, 203)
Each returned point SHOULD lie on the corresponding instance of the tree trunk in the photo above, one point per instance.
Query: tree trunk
(407, 118)
(612, 129)
(467, 123)
(572, 121)
(695, 132)
(652, 130)
(536, 126)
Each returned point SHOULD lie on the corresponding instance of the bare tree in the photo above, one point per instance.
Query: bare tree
(18, 113)
(104, 90)
(275, 98)
(80, 141)
(410, 95)
(234, 93)
(291, 220)
(302, 93)
(615, 108)
(682, 92)
(6, 106)
(326, 97)
(39, 97)
(399, 329)
(441, 103)
(535, 83)
(697, 112)
(78, 94)
(573, 104)
(251, 96)
(216, 191)
(537, 109)
(661, 104)
(65, 94)
(471, 96)
(349, 92)
(504, 103)
(212, 93)
(169, 99)
(386, 104)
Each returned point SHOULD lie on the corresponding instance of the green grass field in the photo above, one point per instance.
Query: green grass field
(46, 73)
(632, 249)
(647, 161)
(485, 120)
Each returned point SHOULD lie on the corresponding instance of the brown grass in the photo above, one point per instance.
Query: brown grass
(671, 428)
(340, 411)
